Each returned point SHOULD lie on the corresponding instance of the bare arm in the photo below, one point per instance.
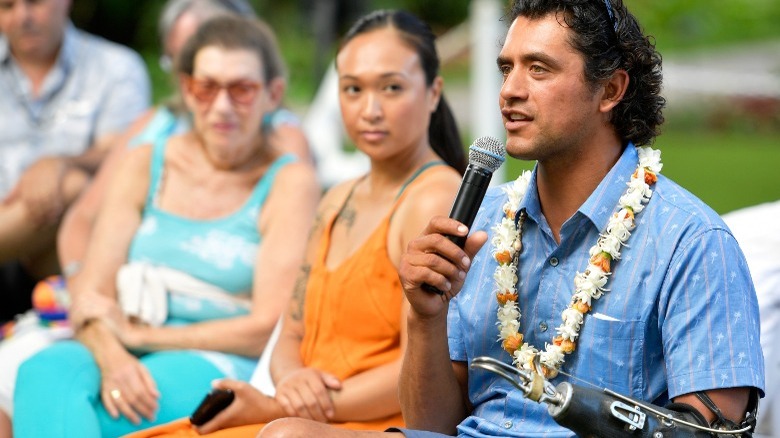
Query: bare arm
(292, 139)
(732, 402)
(372, 394)
(118, 219)
(76, 228)
(94, 294)
(433, 388)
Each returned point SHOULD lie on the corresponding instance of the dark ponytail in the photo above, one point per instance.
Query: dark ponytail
(445, 138)
(443, 133)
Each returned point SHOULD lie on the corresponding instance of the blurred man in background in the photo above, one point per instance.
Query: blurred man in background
(65, 96)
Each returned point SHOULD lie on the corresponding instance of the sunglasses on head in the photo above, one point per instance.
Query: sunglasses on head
(241, 92)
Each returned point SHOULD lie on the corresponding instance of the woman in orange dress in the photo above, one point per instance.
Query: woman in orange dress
(339, 353)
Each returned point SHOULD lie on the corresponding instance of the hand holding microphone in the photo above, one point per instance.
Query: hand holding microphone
(485, 156)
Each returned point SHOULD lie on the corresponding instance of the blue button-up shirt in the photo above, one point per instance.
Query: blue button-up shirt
(680, 315)
(95, 87)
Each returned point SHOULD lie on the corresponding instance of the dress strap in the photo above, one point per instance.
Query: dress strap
(156, 168)
(417, 173)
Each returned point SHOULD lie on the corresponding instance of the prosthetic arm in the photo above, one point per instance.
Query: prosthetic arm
(606, 414)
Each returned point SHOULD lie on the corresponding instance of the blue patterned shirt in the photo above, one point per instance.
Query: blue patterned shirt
(680, 316)
(96, 87)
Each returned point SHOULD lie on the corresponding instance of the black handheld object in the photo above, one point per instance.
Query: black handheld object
(214, 402)
(485, 156)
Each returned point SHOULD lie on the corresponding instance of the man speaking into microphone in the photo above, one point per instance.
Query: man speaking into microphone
(594, 268)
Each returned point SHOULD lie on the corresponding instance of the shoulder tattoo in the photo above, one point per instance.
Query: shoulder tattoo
(347, 215)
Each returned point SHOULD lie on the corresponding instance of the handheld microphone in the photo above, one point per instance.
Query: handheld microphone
(485, 156)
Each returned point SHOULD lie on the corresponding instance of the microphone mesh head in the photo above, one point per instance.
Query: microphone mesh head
(487, 153)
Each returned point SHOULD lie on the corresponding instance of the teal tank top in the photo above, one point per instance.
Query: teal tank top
(219, 251)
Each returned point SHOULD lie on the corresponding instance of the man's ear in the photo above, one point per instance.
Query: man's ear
(614, 90)
(276, 90)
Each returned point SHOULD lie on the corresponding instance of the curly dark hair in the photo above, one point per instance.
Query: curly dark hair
(610, 38)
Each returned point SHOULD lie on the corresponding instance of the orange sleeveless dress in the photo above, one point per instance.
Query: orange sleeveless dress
(351, 319)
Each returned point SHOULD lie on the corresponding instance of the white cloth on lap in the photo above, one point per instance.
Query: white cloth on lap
(143, 289)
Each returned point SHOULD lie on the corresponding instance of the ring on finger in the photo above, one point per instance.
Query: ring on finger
(115, 394)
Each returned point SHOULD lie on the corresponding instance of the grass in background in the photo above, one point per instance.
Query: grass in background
(682, 26)
(726, 170)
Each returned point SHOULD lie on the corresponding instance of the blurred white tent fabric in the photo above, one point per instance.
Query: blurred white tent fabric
(757, 231)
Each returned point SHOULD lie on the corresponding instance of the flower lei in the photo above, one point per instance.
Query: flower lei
(588, 285)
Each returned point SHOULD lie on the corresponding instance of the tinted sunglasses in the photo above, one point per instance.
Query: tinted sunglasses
(241, 92)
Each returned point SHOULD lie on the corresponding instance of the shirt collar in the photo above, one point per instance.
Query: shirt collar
(67, 56)
(601, 204)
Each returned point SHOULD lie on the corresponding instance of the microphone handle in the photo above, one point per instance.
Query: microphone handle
(470, 195)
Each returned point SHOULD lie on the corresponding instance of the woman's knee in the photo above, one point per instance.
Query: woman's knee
(284, 428)
(62, 362)
(292, 427)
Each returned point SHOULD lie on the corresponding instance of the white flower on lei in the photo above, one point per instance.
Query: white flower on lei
(650, 158)
(524, 356)
(568, 332)
(621, 224)
(507, 328)
(591, 282)
(504, 236)
(505, 277)
(637, 183)
(509, 318)
(585, 296)
(552, 356)
(572, 317)
(609, 244)
(633, 199)
(516, 191)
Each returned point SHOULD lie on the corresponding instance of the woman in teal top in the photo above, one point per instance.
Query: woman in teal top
(178, 21)
(220, 204)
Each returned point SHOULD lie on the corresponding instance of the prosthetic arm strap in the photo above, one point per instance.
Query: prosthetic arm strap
(723, 422)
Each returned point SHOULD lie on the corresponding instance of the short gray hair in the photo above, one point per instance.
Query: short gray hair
(203, 9)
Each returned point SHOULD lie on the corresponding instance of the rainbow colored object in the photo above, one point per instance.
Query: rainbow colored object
(50, 301)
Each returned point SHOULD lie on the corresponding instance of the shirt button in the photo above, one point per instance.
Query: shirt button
(507, 424)
(543, 326)
(554, 261)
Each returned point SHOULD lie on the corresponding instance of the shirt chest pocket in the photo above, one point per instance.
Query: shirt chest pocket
(611, 354)
(73, 127)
